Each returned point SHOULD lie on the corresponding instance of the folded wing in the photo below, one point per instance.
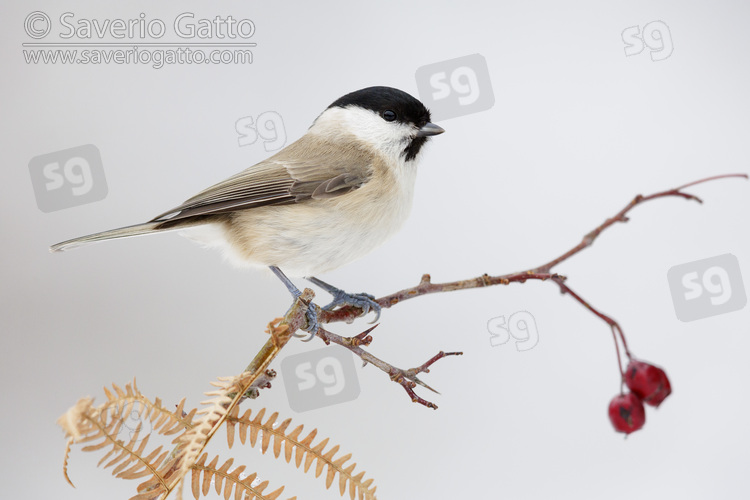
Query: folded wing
(303, 171)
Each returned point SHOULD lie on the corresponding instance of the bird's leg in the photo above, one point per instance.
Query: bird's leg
(364, 301)
(312, 313)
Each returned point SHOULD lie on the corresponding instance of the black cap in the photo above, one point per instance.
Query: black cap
(382, 99)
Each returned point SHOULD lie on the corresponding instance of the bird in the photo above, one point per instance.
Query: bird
(340, 190)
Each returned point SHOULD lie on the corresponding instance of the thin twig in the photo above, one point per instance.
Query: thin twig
(616, 330)
(406, 378)
(542, 273)
(257, 372)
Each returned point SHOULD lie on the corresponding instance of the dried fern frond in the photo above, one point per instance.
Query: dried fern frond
(211, 417)
(231, 390)
(102, 427)
(228, 483)
(165, 421)
(302, 448)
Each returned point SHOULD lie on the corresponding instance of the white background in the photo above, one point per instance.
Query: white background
(577, 130)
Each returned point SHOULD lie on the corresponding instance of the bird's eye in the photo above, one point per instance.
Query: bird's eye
(389, 115)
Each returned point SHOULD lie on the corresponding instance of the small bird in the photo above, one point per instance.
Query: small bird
(330, 197)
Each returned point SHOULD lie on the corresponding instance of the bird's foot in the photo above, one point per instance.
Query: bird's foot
(312, 321)
(311, 314)
(313, 325)
(364, 301)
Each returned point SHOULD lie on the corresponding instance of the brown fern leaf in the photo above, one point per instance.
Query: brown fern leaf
(102, 428)
(65, 462)
(162, 421)
(192, 442)
(157, 487)
(211, 417)
(228, 483)
(293, 444)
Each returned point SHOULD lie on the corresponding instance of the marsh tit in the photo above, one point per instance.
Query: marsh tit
(328, 198)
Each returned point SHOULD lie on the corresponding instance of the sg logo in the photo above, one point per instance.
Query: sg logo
(655, 35)
(269, 126)
(521, 326)
(456, 87)
(68, 178)
(132, 421)
(319, 378)
(707, 287)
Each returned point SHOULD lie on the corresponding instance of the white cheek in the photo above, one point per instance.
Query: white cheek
(388, 137)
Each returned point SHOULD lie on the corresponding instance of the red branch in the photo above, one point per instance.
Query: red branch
(408, 378)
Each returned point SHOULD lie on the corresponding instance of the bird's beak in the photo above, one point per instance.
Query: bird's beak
(430, 129)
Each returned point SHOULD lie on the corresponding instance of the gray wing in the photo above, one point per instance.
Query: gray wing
(302, 171)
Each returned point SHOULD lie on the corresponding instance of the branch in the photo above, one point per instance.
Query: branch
(408, 378)
(542, 273)
(616, 330)
(192, 443)
(258, 375)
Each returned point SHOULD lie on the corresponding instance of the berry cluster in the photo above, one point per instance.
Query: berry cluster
(648, 384)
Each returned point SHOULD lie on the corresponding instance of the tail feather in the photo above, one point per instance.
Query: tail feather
(123, 232)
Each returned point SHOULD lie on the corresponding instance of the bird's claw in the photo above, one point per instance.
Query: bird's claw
(312, 326)
(364, 301)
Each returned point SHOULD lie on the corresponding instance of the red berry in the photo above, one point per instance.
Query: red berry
(648, 381)
(627, 413)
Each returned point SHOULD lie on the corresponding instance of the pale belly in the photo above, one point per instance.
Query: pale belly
(313, 237)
